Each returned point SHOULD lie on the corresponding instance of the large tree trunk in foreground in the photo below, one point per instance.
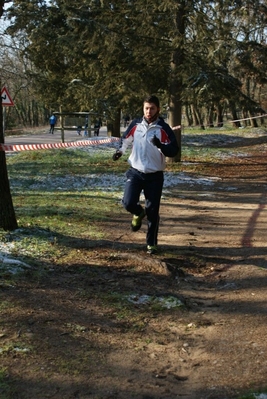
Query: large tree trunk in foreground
(7, 214)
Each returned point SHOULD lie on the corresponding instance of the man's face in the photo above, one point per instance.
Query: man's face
(150, 110)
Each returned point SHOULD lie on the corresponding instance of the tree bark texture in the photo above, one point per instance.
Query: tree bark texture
(176, 83)
(7, 214)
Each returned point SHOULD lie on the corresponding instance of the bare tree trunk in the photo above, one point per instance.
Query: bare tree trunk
(7, 214)
(117, 123)
(253, 121)
(188, 114)
(110, 128)
(175, 117)
(195, 116)
(176, 83)
(246, 121)
(114, 126)
(199, 117)
(234, 114)
(2, 4)
(210, 115)
(219, 110)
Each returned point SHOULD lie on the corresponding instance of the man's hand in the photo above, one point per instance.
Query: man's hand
(155, 141)
(117, 155)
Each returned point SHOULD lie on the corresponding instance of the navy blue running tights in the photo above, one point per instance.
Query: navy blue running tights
(151, 184)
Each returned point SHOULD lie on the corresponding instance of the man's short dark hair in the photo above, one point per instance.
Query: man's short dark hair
(152, 99)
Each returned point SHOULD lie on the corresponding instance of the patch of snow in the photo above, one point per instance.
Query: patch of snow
(12, 266)
(139, 300)
(115, 182)
(6, 248)
(8, 264)
(10, 261)
(167, 302)
(22, 350)
(106, 182)
(170, 302)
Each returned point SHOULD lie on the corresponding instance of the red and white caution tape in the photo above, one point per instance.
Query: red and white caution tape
(251, 117)
(33, 147)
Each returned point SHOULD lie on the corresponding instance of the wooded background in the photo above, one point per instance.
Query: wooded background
(204, 59)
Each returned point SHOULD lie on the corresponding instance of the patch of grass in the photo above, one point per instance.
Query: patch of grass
(255, 395)
(6, 391)
(81, 362)
(65, 211)
(18, 348)
(6, 305)
(64, 161)
(31, 245)
(76, 210)
(131, 312)
(53, 220)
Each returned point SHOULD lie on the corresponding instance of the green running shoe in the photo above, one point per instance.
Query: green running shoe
(152, 249)
(137, 221)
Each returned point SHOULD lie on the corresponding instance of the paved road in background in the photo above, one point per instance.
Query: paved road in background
(45, 137)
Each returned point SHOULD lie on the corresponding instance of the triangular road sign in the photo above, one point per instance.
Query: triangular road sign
(6, 99)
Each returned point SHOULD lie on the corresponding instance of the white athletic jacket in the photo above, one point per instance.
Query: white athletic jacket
(145, 156)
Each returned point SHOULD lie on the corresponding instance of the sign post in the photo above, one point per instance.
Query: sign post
(6, 102)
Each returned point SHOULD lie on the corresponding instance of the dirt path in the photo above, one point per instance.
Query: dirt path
(218, 348)
(96, 324)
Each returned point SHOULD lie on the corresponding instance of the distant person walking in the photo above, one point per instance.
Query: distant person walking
(86, 133)
(97, 127)
(52, 121)
(126, 121)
